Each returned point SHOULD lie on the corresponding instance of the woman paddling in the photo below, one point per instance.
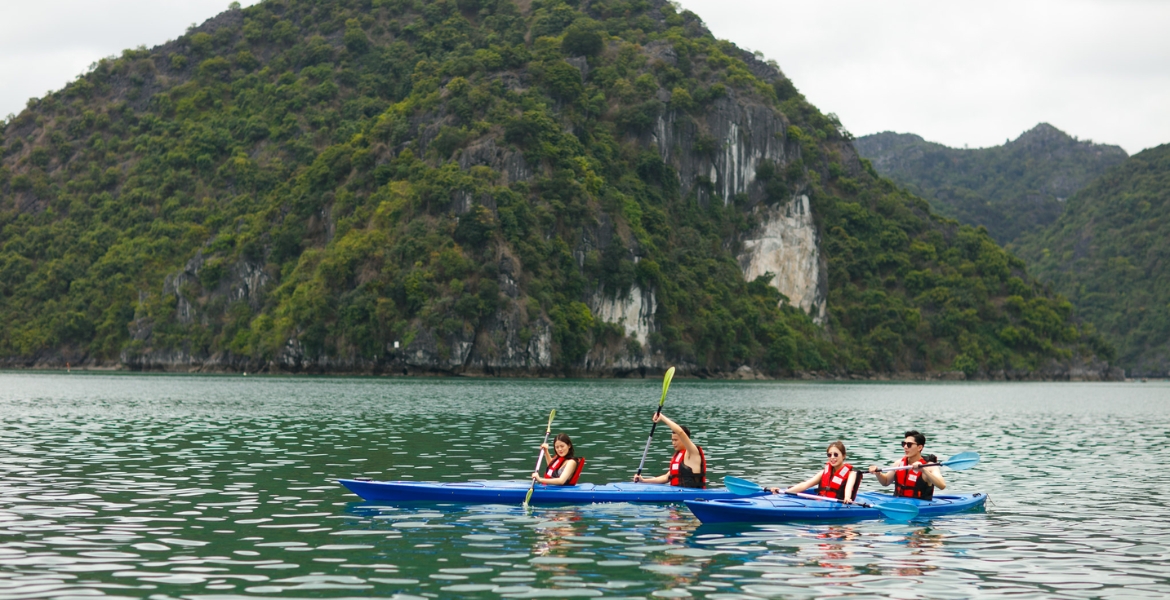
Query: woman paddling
(688, 466)
(564, 468)
(837, 480)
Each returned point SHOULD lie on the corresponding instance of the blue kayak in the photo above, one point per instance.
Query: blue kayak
(513, 492)
(777, 508)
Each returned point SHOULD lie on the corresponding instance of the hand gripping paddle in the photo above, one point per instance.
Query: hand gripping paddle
(665, 386)
(540, 456)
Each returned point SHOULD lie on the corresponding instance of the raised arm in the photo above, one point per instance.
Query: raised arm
(692, 449)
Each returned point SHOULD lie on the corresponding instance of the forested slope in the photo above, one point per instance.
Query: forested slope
(1110, 253)
(1012, 189)
(490, 187)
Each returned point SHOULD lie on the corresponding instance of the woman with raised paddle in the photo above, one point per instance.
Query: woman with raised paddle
(837, 480)
(910, 478)
(564, 468)
(688, 466)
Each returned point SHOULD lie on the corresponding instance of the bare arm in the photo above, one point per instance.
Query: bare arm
(660, 479)
(567, 471)
(689, 446)
(850, 485)
(800, 487)
(883, 478)
(934, 476)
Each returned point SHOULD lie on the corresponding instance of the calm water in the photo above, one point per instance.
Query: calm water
(213, 488)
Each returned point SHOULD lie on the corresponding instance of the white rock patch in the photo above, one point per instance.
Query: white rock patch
(785, 245)
(634, 312)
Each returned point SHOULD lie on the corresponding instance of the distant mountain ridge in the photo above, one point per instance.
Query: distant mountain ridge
(1109, 252)
(1011, 189)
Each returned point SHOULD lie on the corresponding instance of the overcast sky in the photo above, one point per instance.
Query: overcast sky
(971, 73)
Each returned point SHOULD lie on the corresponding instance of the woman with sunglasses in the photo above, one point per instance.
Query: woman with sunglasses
(918, 482)
(837, 480)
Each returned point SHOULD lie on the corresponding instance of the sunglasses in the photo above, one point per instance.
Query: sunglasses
(833, 454)
(908, 444)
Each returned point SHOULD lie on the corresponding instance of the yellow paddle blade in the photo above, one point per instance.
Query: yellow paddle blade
(666, 384)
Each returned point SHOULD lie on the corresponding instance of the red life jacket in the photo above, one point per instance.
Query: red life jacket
(909, 484)
(682, 476)
(833, 484)
(554, 469)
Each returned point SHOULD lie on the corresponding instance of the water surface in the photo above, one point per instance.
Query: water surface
(202, 487)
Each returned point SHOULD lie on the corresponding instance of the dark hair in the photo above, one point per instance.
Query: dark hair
(918, 437)
(564, 437)
(839, 445)
(685, 430)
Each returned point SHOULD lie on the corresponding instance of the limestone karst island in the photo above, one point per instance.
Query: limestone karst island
(488, 187)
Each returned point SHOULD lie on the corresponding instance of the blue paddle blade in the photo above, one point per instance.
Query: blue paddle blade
(898, 511)
(741, 487)
(964, 460)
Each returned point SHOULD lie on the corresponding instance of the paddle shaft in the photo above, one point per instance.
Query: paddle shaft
(816, 497)
(665, 386)
(897, 510)
(959, 462)
(540, 456)
(646, 450)
(908, 467)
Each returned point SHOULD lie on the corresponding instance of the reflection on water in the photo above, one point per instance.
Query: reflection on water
(127, 486)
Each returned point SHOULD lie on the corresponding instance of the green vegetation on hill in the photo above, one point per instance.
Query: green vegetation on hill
(1110, 253)
(1010, 189)
(285, 180)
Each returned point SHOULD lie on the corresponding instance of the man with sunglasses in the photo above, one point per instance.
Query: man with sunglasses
(918, 482)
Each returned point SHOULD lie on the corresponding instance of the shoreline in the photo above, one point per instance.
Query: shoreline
(1052, 373)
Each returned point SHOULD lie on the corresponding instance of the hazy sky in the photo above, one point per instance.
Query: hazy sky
(971, 73)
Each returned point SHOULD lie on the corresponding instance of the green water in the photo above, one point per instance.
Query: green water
(213, 488)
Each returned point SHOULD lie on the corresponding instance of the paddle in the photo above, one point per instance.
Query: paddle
(899, 511)
(665, 385)
(958, 462)
(540, 456)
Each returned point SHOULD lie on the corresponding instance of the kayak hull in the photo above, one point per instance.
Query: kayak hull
(513, 492)
(778, 508)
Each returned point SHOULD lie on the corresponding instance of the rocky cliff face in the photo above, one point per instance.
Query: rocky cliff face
(786, 247)
(742, 136)
(634, 312)
(718, 156)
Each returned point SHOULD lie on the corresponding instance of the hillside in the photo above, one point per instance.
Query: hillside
(1110, 253)
(483, 186)
(1011, 189)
